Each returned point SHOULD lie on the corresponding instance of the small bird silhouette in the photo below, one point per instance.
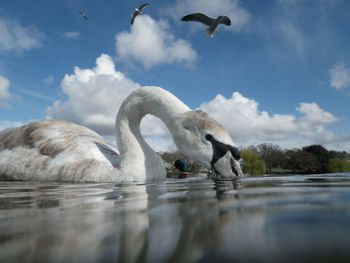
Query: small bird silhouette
(138, 11)
(83, 15)
(211, 22)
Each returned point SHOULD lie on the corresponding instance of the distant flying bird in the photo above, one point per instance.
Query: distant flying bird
(138, 11)
(211, 22)
(82, 14)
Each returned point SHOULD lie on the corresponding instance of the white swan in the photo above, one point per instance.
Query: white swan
(55, 150)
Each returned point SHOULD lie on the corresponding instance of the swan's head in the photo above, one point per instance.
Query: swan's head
(206, 141)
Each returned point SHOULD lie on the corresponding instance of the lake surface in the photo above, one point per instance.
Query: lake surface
(256, 219)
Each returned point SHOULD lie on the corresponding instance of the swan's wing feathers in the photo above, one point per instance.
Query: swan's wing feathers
(49, 137)
(10, 138)
(198, 17)
(19, 137)
(56, 151)
(109, 153)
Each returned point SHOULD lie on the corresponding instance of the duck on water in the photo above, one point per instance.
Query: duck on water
(56, 150)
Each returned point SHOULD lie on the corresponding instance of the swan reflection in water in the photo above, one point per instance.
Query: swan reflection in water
(269, 219)
(104, 222)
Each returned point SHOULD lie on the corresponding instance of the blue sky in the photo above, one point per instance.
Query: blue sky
(280, 73)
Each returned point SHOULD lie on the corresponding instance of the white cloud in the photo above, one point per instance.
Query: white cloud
(340, 76)
(94, 97)
(49, 80)
(314, 114)
(238, 15)
(5, 94)
(71, 35)
(151, 43)
(246, 123)
(17, 38)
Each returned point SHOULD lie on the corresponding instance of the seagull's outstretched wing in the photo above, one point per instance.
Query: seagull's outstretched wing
(133, 17)
(224, 20)
(199, 17)
(82, 14)
(141, 7)
(137, 12)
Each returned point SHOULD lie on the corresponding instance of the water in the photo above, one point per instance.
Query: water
(257, 219)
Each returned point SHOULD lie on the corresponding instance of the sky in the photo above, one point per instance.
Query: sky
(279, 74)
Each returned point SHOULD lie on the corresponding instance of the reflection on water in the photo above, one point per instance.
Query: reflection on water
(257, 219)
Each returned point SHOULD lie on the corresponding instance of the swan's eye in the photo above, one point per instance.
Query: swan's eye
(208, 137)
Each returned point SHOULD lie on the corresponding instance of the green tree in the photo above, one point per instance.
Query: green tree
(322, 156)
(300, 161)
(339, 165)
(272, 154)
(252, 162)
(340, 155)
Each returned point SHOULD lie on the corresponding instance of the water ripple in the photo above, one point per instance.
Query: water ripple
(295, 218)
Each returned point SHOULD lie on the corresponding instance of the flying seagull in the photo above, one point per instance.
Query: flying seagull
(138, 11)
(211, 22)
(82, 14)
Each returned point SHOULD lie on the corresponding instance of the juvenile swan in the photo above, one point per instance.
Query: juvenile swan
(55, 150)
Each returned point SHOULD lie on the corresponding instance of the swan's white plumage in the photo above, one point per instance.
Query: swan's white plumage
(55, 150)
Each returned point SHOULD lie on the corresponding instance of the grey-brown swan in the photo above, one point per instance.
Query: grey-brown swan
(56, 150)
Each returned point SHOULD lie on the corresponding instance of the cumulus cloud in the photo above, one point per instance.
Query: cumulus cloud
(314, 114)
(5, 94)
(71, 35)
(340, 77)
(151, 43)
(237, 14)
(18, 38)
(94, 97)
(242, 117)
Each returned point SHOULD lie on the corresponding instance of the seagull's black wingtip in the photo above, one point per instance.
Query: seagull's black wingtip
(185, 18)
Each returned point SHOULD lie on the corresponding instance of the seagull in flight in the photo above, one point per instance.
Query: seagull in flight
(138, 11)
(211, 22)
(82, 14)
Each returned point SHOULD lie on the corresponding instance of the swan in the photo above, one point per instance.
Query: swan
(56, 150)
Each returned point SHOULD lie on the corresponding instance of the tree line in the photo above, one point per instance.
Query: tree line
(270, 158)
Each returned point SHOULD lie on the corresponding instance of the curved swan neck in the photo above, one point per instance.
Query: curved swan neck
(152, 100)
(135, 152)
